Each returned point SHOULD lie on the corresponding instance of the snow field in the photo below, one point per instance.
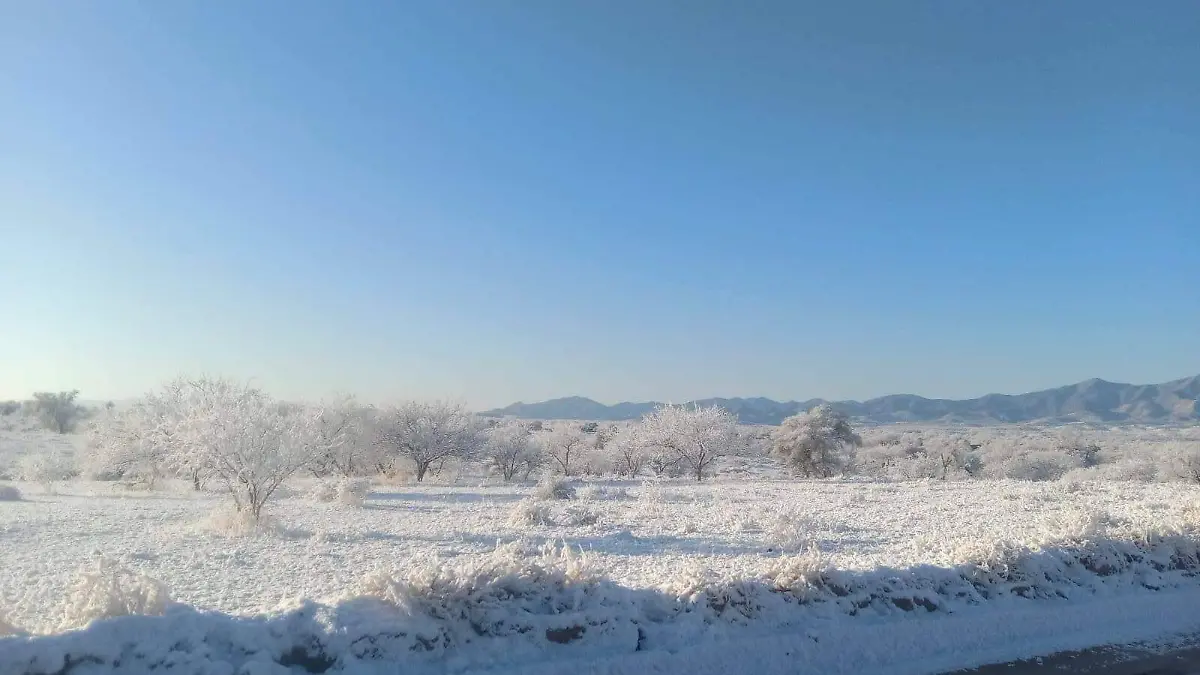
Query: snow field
(644, 534)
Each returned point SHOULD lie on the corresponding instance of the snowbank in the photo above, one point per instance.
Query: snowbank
(519, 606)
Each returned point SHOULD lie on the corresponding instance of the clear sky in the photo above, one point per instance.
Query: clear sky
(506, 200)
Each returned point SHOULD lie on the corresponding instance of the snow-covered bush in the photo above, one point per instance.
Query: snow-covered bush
(513, 593)
(530, 512)
(9, 493)
(594, 492)
(695, 437)
(1182, 461)
(428, 434)
(789, 533)
(553, 487)
(324, 491)
(1142, 470)
(46, 467)
(1038, 466)
(104, 589)
(815, 444)
(347, 491)
(578, 516)
(353, 491)
(227, 521)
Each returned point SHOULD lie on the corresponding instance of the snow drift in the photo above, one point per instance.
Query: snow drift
(522, 605)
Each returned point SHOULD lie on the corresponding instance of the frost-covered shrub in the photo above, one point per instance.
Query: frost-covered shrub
(578, 516)
(798, 573)
(227, 521)
(530, 512)
(1038, 466)
(651, 492)
(347, 491)
(353, 491)
(46, 468)
(1141, 470)
(553, 487)
(789, 533)
(551, 594)
(105, 589)
(593, 492)
(589, 493)
(1182, 461)
(325, 491)
(9, 493)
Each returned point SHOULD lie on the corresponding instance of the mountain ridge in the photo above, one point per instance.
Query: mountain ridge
(1092, 400)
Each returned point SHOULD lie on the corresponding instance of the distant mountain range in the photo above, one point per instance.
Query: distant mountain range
(1089, 401)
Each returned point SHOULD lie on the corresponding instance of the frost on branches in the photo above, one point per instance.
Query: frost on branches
(815, 444)
(566, 447)
(693, 437)
(247, 441)
(428, 434)
(509, 450)
(342, 425)
(217, 429)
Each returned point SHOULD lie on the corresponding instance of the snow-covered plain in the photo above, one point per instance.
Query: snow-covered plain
(860, 575)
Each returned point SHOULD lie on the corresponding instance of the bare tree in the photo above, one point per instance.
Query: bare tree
(428, 434)
(694, 436)
(815, 443)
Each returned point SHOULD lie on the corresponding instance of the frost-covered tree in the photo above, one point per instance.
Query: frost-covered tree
(249, 443)
(695, 437)
(628, 450)
(428, 433)
(343, 427)
(951, 455)
(815, 443)
(131, 445)
(565, 447)
(59, 411)
(509, 449)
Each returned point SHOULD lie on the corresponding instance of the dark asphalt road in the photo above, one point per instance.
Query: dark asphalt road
(1125, 660)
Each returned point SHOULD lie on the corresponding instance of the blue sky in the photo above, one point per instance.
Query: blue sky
(503, 200)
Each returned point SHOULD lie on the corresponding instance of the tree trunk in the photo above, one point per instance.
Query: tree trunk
(422, 467)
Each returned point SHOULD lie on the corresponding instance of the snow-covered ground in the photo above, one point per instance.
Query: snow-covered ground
(640, 535)
(749, 571)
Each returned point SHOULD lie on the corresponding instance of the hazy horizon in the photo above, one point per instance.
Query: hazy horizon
(517, 202)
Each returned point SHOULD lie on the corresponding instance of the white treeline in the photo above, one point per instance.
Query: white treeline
(219, 434)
